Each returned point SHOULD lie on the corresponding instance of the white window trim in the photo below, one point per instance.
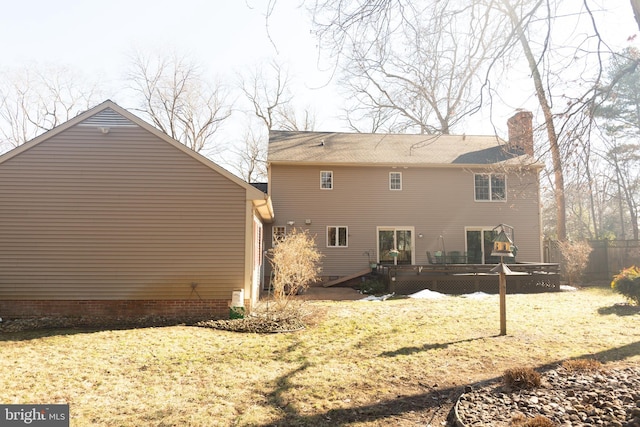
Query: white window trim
(274, 240)
(395, 189)
(338, 227)
(395, 228)
(321, 181)
(490, 199)
(482, 230)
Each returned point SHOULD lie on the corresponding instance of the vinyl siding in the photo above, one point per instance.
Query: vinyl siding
(123, 215)
(434, 201)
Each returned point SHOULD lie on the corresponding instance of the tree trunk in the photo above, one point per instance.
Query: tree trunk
(561, 227)
(592, 203)
(635, 5)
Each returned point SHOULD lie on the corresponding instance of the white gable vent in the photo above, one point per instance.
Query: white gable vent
(106, 119)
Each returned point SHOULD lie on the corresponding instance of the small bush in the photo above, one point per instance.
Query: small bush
(582, 365)
(372, 286)
(521, 378)
(627, 283)
(266, 317)
(538, 421)
(296, 264)
(575, 256)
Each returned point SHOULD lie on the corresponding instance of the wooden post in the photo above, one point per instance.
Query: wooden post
(503, 303)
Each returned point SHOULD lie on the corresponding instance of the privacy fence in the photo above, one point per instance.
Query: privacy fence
(607, 258)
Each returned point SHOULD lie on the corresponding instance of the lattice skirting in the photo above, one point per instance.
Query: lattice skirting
(408, 283)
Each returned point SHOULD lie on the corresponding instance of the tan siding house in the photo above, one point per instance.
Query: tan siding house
(365, 195)
(106, 215)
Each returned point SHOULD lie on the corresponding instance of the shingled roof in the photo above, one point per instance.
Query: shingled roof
(368, 148)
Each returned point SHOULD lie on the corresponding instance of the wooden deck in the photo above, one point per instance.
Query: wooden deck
(468, 278)
(347, 278)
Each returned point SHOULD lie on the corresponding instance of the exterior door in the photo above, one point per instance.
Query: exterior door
(480, 246)
(257, 273)
(395, 246)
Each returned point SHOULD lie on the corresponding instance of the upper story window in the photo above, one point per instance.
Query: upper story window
(490, 186)
(326, 180)
(279, 233)
(337, 237)
(395, 180)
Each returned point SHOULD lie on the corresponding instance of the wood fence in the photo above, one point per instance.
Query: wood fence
(607, 258)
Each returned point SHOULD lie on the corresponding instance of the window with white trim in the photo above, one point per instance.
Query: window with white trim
(337, 237)
(490, 187)
(279, 233)
(395, 180)
(326, 180)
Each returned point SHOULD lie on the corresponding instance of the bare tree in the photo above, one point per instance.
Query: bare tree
(266, 88)
(291, 120)
(566, 72)
(177, 99)
(568, 79)
(36, 99)
(624, 159)
(252, 156)
(635, 6)
(520, 22)
(617, 114)
(427, 73)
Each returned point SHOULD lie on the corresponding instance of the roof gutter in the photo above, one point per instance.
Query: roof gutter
(264, 208)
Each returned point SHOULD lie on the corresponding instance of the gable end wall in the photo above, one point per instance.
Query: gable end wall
(118, 216)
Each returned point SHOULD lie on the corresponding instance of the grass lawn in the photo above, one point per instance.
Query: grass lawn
(396, 362)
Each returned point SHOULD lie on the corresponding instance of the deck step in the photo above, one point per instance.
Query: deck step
(346, 278)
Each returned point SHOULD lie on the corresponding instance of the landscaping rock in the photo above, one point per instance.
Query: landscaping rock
(577, 399)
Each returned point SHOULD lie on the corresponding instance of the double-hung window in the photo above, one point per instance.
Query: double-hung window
(395, 180)
(490, 187)
(337, 237)
(326, 180)
(279, 233)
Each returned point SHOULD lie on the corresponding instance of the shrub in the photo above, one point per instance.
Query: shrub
(265, 318)
(575, 256)
(372, 286)
(296, 264)
(627, 283)
(582, 365)
(538, 421)
(521, 378)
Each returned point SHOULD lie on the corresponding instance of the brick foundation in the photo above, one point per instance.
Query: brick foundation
(108, 309)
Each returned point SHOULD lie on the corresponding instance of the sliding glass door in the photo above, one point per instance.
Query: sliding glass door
(395, 245)
(480, 246)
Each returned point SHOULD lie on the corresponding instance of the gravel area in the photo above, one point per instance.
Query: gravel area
(609, 397)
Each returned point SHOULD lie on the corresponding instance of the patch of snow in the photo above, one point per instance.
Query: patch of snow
(567, 288)
(427, 294)
(477, 295)
(375, 298)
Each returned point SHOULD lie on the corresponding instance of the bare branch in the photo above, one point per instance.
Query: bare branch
(36, 99)
(172, 93)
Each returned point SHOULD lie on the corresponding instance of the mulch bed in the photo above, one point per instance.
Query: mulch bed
(255, 325)
(47, 323)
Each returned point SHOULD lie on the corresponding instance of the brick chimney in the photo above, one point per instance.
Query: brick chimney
(521, 133)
